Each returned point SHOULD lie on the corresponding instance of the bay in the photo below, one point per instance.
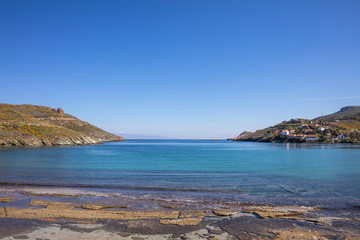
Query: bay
(322, 174)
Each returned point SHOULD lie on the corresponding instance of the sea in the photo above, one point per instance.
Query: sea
(194, 170)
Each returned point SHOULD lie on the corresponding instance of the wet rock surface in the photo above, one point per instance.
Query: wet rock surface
(58, 215)
(11, 227)
(255, 228)
(150, 227)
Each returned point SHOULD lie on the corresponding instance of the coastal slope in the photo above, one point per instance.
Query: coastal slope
(342, 126)
(30, 125)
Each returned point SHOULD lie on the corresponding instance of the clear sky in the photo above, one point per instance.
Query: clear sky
(181, 69)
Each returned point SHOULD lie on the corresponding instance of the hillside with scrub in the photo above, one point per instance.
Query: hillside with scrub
(340, 127)
(30, 125)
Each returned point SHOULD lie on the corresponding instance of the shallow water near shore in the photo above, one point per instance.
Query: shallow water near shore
(194, 170)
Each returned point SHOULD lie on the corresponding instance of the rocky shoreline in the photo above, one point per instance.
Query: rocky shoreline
(33, 212)
(35, 143)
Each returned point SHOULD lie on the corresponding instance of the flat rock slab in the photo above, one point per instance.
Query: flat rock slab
(13, 227)
(2, 213)
(47, 204)
(54, 211)
(98, 207)
(150, 227)
(189, 214)
(224, 212)
(278, 211)
(182, 221)
(249, 228)
(6, 199)
(93, 207)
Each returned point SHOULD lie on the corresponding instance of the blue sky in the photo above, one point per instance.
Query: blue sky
(181, 69)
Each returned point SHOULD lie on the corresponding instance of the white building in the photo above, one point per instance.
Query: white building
(284, 132)
(342, 136)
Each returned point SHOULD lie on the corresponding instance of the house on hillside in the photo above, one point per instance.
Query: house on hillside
(291, 136)
(292, 131)
(321, 128)
(304, 125)
(308, 130)
(299, 137)
(284, 132)
(310, 138)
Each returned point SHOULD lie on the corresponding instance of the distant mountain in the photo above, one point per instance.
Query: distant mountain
(342, 126)
(30, 125)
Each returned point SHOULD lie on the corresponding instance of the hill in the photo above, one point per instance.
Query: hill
(30, 125)
(345, 113)
(342, 126)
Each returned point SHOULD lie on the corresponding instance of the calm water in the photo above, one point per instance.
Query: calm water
(215, 170)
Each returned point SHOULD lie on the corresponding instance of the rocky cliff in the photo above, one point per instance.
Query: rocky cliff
(30, 125)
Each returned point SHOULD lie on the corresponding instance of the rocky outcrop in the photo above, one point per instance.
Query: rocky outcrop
(244, 136)
(60, 111)
(263, 135)
(29, 125)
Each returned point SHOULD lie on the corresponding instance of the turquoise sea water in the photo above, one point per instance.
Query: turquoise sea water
(216, 170)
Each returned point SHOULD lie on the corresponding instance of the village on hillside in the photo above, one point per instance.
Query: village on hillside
(301, 130)
(340, 127)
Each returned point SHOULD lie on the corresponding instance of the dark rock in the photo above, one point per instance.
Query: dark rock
(150, 227)
(21, 237)
(10, 227)
(248, 228)
(60, 111)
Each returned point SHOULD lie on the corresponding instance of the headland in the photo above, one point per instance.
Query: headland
(37, 126)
